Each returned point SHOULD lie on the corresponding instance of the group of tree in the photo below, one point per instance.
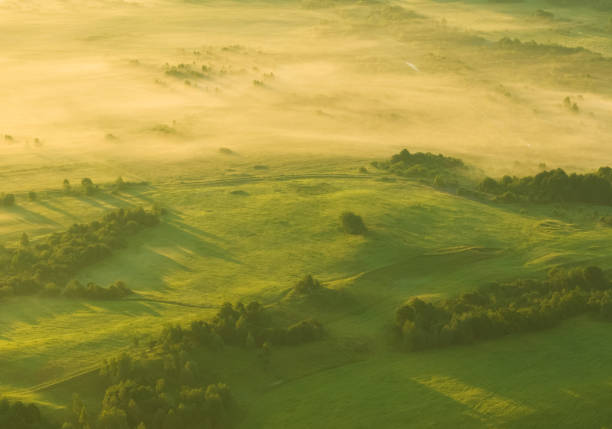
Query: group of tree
(240, 325)
(187, 71)
(536, 48)
(17, 415)
(420, 164)
(553, 186)
(75, 289)
(308, 285)
(48, 264)
(501, 309)
(139, 397)
(87, 187)
(310, 292)
(168, 388)
(153, 404)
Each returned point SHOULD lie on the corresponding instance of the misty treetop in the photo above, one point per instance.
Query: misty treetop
(426, 164)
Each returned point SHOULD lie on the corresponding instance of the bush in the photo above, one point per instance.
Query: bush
(307, 285)
(120, 183)
(88, 186)
(352, 223)
(7, 200)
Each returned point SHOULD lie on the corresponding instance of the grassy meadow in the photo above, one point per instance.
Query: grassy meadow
(254, 125)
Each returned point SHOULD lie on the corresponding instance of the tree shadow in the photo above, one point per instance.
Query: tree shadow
(127, 307)
(137, 191)
(190, 238)
(175, 219)
(63, 212)
(36, 310)
(152, 256)
(29, 216)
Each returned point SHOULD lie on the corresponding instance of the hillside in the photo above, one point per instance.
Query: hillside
(212, 213)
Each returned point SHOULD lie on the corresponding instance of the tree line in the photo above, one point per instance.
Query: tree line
(553, 186)
(550, 186)
(500, 309)
(87, 187)
(47, 265)
(240, 325)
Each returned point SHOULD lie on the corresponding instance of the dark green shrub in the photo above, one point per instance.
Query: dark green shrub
(352, 223)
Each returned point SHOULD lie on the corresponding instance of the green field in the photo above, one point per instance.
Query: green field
(257, 144)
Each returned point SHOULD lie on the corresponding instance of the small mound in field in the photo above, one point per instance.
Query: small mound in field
(313, 188)
(240, 193)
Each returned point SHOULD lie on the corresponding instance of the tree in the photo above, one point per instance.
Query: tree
(66, 186)
(119, 183)
(25, 240)
(490, 186)
(352, 223)
(88, 185)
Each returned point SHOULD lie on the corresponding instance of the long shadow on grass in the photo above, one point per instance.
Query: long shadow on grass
(152, 256)
(34, 311)
(181, 235)
(29, 216)
(127, 307)
(61, 211)
(174, 218)
(108, 199)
